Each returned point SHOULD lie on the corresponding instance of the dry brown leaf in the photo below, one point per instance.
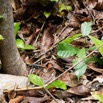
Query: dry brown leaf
(28, 60)
(48, 75)
(73, 21)
(82, 90)
(17, 99)
(58, 100)
(94, 68)
(96, 4)
(47, 41)
(71, 80)
(37, 99)
(54, 65)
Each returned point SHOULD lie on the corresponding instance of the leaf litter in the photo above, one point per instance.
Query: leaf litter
(44, 34)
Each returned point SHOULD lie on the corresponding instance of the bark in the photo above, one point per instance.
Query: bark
(10, 57)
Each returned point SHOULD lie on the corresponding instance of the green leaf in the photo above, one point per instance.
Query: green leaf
(36, 80)
(82, 53)
(70, 39)
(80, 69)
(86, 28)
(98, 96)
(28, 47)
(64, 50)
(95, 60)
(57, 84)
(62, 7)
(1, 17)
(98, 43)
(1, 37)
(20, 43)
(16, 27)
(92, 48)
(47, 14)
(54, 0)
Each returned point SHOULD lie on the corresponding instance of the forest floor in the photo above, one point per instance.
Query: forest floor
(65, 39)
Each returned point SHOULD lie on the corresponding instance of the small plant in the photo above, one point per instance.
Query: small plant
(65, 49)
(19, 42)
(36, 80)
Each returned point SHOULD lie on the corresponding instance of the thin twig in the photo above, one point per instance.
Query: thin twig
(97, 30)
(41, 87)
(51, 95)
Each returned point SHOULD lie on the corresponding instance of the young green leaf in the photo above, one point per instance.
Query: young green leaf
(98, 96)
(64, 50)
(47, 14)
(1, 37)
(80, 69)
(36, 80)
(82, 53)
(54, 0)
(1, 17)
(28, 47)
(92, 48)
(16, 27)
(70, 39)
(57, 84)
(19, 43)
(62, 7)
(95, 60)
(98, 43)
(86, 28)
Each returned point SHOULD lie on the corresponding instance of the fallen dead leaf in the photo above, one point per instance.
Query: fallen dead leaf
(71, 80)
(37, 99)
(17, 99)
(47, 41)
(82, 90)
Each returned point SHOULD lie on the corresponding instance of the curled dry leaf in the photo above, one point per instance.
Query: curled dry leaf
(47, 41)
(54, 65)
(28, 60)
(96, 4)
(18, 99)
(94, 68)
(73, 21)
(96, 83)
(71, 80)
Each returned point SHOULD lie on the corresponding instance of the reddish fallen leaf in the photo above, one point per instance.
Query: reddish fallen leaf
(54, 65)
(17, 99)
(28, 60)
